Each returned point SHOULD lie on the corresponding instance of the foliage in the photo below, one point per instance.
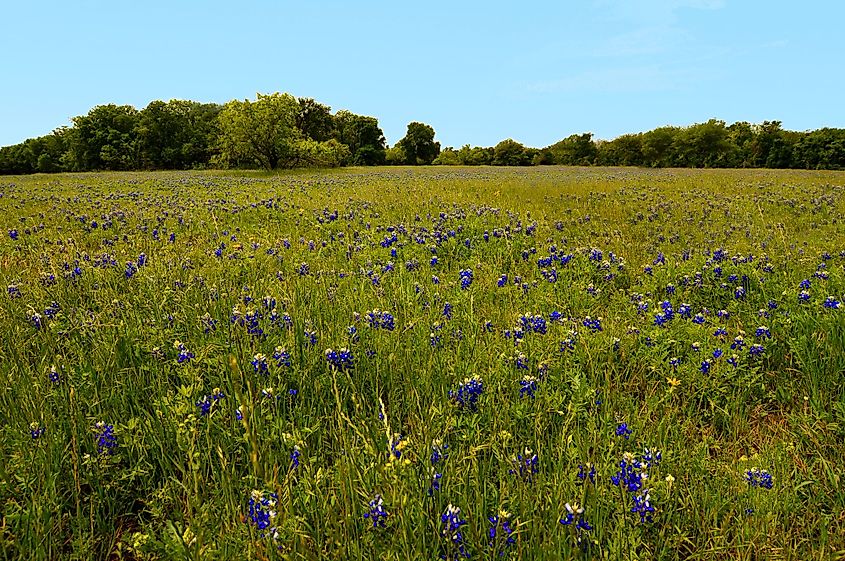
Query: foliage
(419, 145)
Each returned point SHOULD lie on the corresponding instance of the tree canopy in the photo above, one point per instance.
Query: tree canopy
(278, 130)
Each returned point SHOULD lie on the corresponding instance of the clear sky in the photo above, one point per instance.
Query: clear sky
(478, 72)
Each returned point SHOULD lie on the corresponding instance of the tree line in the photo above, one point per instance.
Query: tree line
(282, 131)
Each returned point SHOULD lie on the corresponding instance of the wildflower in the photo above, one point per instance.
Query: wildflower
(756, 350)
(832, 303)
(466, 278)
(630, 475)
(281, 356)
(184, 354)
(467, 394)
(587, 472)
(500, 526)
(527, 386)
(592, 324)
(13, 234)
(205, 404)
(261, 512)
(763, 332)
(439, 451)
(340, 359)
(575, 518)
(451, 531)
(447, 310)
(804, 296)
(106, 440)
(13, 291)
(36, 320)
(642, 506)
(259, 364)
(53, 375)
(527, 465)
(376, 513)
(623, 430)
(36, 430)
(294, 457)
(759, 478)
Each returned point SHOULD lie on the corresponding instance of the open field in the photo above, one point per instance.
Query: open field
(317, 365)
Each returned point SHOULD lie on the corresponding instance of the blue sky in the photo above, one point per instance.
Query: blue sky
(478, 72)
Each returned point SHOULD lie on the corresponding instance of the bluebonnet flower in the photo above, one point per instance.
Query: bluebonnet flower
(804, 296)
(651, 457)
(106, 439)
(259, 364)
(763, 332)
(527, 386)
(294, 457)
(209, 324)
(804, 284)
(698, 319)
(623, 430)
(36, 430)
(261, 512)
(738, 343)
(466, 278)
(53, 375)
(282, 357)
(595, 254)
(674, 362)
(52, 310)
(13, 234)
(341, 359)
(239, 415)
(832, 303)
(303, 269)
(642, 506)
(439, 451)
(756, 350)
(36, 320)
(376, 513)
(381, 319)
(447, 310)
(467, 394)
(717, 353)
(310, 337)
(521, 361)
(705, 366)
(630, 476)
(720, 332)
(451, 531)
(587, 472)
(503, 280)
(592, 324)
(131, 269)
(13, 291)
(574, 518)
(733, 360)
(759, 478)
(527, 465)
(184, 354)
(205, 404)
(500, 534)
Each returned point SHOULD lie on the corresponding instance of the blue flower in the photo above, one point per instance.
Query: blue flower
(376, 513)
(759, 478)
(340, 359)
(500, 531)
(467, 394)
(527, 386)
(106, 439)
(282, 357)
(587, 473)
(623, 430)
(451, 530)
(261, 512)
(527, 465)
(643, 507)
(259, 364)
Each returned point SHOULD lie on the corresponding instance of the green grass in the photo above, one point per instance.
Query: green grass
(178, 483)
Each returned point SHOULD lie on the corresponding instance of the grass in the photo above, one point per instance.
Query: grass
(232, 285)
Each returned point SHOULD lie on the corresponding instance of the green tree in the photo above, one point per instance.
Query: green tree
(511, 153)
(105, 139)
(178, 134)
(363, 137)
(260, 132)
(574, 150)
(314, 120)
(419, 144)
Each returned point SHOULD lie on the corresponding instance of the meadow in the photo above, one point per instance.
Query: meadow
(400, 363)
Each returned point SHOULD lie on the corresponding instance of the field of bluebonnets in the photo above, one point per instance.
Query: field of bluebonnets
(423, 363)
